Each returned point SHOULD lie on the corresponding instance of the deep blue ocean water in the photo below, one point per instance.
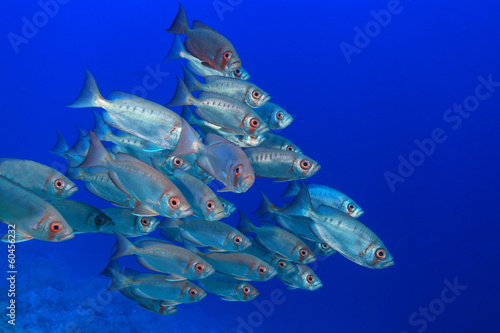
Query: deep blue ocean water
(365, 95)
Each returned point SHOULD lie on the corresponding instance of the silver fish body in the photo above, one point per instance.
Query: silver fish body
(239, 90)
(218, 236)
(228, 288)
(277, 240)
(31, 216)
(302, 277)
(282, 165)
(132, 114)
(320, 248)
(322, 195)
(40, 179)
(281, 265)
(129, 224)
(82, 217)
(275, 141)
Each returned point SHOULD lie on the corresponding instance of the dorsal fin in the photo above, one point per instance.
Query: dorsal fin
(301, 204)
(200, 25)
(212, 138)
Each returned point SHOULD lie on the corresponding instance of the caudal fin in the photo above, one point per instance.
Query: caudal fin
(113, 264)
(101, 130)
(89, 95)
(176, 50)
(292, 189)
(119, 281)
(191, 83)
(245, 225)
(188, 115)
(61, 146)
(123, 247)
(266, 206)
(180, 24)
(182, 95)
(97, 154)
(188, 141)
(301, 204)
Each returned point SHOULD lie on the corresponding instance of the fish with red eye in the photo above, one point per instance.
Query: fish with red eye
(274, 115)
(128, 224)
(229, 288)
(215, 235)
(301, 277)
(277, 240)
(82, 217)
(206, 44)
(282, 165)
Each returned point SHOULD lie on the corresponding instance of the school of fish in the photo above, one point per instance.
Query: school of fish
(157, 168)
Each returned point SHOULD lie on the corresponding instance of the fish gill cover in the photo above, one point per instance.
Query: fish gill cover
(169, 167)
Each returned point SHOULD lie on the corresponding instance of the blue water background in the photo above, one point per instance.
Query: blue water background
(355, 118)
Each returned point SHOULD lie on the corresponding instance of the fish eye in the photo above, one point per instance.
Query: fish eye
(380, 253)
(279, 115)
(59, 183)
(310, 278)
(227, 55)
(254, 123)
(55, 226)
(255, 94)
(144, 221)
(237, 239)
(223, 204)
(178, 161)
(324, 246)
(237, 72)
(305, 164)
(193, 292)
(237, 170)
(261, 269)
(289, 148)
(209, 205)
(282, 264)
(199, 267)
(174, 202)
(303, 252)
(98, 220)
(350, 207)
(246, 290)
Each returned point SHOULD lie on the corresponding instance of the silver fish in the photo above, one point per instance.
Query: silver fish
(275, 239)
(282, 165)
(82, 217)
(132, 114)
(229, 207)
(155, 286)
(40, 179)
(345, 234)
(239, 265)
(157, 194)
(239, 90)
(129, 224)
(206, 44)
(320, 248)
(163, 257)
(232, 116)
(302, 277)
(218, 236)
(275, 116)
(281, 265)
(275, 141)
(195, 65)
(228, 288)
(202, 199)
(322, 195)
(207, 127)
(222, 159)
(31, 216)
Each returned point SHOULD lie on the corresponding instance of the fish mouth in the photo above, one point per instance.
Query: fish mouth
(309, 260)
(287, 121)
(185, 212)
(233, 66)
(387, 264)
(72, 190)
(66, 237)
(272, 274)
(316, 286)
(245, 246)
(358, 214)
(209, 272)
(315, 169)
(246, 183)
(219, 215)
(265, 100)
